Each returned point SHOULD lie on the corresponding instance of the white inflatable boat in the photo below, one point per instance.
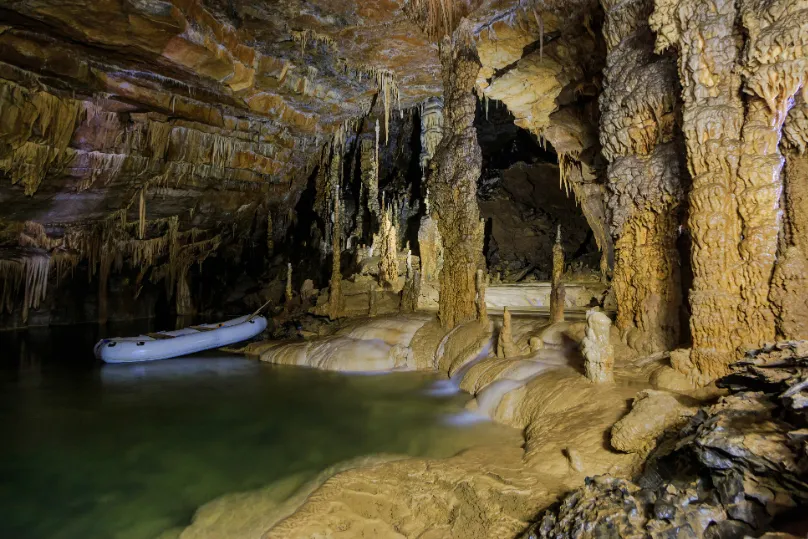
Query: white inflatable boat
(168, 344)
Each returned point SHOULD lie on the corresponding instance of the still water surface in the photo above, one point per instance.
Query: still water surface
(128, 451)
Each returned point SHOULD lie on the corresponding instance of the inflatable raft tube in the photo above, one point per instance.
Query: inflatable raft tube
(168, 344)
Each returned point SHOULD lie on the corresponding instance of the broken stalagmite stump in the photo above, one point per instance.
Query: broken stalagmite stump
(598, 353)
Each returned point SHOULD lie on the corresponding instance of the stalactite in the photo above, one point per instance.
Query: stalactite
(431, 129)
(373, 188)
(11, 278)
(557, 291)
(43, 127)
(141, 229)
(183, 303)
(453, 185)
(35, 267)
(62, 263)
(159, 135)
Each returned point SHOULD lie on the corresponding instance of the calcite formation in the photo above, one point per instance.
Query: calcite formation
(453, 185)
(505, 345)
(734, 160)
(642, 143)
(557, 293)
(598, 352)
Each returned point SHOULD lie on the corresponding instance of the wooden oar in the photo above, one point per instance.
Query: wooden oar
(261, 308)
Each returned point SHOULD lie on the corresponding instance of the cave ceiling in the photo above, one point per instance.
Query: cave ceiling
(217, 109)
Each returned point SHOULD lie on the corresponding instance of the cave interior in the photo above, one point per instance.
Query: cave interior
(593, 202)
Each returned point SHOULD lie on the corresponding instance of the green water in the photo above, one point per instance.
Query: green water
(128, 451)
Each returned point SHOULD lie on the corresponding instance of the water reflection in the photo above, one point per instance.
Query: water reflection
(126, 451)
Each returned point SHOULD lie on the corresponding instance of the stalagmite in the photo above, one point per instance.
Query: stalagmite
(411, 290)
(335, 298)
(480, 284)
(597, 351)
(372, 300)
(388, 251)
(644, 148)
(557, 292)
(370, 186)
(430, 245)
(505, 346)
(453, 185)
(288, 292)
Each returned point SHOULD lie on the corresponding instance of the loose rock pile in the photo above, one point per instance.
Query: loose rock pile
(738, 468)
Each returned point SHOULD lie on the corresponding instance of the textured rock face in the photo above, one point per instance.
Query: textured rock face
(732, 471)
(546, 70)
(643, 146)
(734, 160)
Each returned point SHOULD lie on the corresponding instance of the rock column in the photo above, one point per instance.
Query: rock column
(453, 184)
(709, 47)
(643, 146)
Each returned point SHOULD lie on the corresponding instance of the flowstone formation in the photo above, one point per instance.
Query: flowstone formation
(734, 160)
(790, 281)
(643, 145)
(453, 184)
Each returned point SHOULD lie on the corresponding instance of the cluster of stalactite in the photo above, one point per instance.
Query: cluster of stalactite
(45, 134)
(733, 155)
(640, 139)
(106, 246)
(453, 185)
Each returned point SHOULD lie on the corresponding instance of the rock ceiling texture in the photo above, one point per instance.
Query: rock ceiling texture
(143, 127)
